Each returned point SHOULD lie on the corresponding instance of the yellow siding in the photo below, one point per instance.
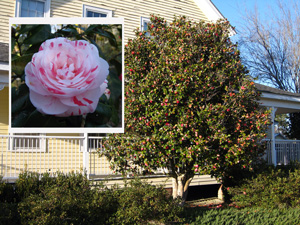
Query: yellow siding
(4, 111)
(66, 154)
(7, 10)
(165, 181)
(61, 155)
(131, 10)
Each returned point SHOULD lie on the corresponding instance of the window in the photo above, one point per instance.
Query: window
(32, 8)
(89, 11)
(29, 142)
(144, 23)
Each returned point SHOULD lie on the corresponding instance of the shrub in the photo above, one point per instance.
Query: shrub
(9, 213)
(140, 203)
(247, 216)
(32, 183)
(69, 200)
(271, 189)
(7, 193)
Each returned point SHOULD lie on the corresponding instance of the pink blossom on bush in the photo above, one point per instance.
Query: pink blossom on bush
(66, 77)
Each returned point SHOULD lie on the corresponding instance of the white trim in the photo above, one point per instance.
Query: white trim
(4, 78)
(209, 9)
(78, 20)
(144, 19)
(96, 9)
(280, 97)
(4, 66)
(46, 9)
(273, 149)
(66, 20)
(41, 142)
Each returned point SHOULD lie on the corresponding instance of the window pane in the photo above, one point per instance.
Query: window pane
(145, 26)
(31, 13)
(25, 4)
(95, 14)
(24, 13)
(32, 5)
(39, 14)
(32, 8)
(89, 14)
(40, 7)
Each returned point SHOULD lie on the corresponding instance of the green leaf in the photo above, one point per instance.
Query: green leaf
(20, 119)
(103, 109)
(26, 28)
(36, 119)
(111, 38)
(19, 103)
(38, 34)
(19, 63)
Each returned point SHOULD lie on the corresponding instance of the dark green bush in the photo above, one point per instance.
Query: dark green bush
(9, 214)
(271, 189)
(140, 203)
(69, 200)
(246, 216)
(7, 193)
(32, 183)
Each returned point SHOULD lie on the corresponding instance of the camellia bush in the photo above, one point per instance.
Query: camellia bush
(66, 75)
(190, 106)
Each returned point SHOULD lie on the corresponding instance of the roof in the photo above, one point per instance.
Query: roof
(3, 52)
(283, 101)
(271, 90)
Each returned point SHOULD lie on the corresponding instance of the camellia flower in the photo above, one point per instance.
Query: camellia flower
(66, 78)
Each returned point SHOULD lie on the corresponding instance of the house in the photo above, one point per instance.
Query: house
(77, 152)
(69, 152)
(279, 150)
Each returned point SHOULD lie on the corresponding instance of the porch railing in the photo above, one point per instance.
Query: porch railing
(51, 154)
(286, 151)
(75, 153)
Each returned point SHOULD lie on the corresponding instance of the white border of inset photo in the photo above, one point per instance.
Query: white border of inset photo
(66, 21)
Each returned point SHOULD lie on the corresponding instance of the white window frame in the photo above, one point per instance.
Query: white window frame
(41, 139)
(46, 11)
(144, 19)
(87, 8)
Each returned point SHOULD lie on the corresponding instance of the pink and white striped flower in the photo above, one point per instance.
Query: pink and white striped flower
(66, 77)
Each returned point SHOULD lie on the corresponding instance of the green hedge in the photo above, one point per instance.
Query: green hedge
(246, 216)
(274, 188)
(71, 199)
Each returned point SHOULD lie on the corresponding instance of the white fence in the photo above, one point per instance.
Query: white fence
(74, 153)
(286, 151)
(51, 154)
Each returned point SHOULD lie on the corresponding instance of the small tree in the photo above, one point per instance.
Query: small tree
(190, 107)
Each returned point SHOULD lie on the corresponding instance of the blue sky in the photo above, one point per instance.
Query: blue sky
(234, 10)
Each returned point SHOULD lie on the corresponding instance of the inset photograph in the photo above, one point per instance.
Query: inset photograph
(66, 77)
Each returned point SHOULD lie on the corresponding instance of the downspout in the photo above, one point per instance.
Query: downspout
(273, 150)
(86, 166)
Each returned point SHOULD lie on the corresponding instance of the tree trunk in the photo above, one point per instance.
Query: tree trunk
(180, 187)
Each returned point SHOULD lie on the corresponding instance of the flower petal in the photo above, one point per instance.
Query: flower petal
(47, 104)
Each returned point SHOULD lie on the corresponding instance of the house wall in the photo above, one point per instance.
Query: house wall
(4, 111)
(131, 10)
(7, 10)
(65, 154)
